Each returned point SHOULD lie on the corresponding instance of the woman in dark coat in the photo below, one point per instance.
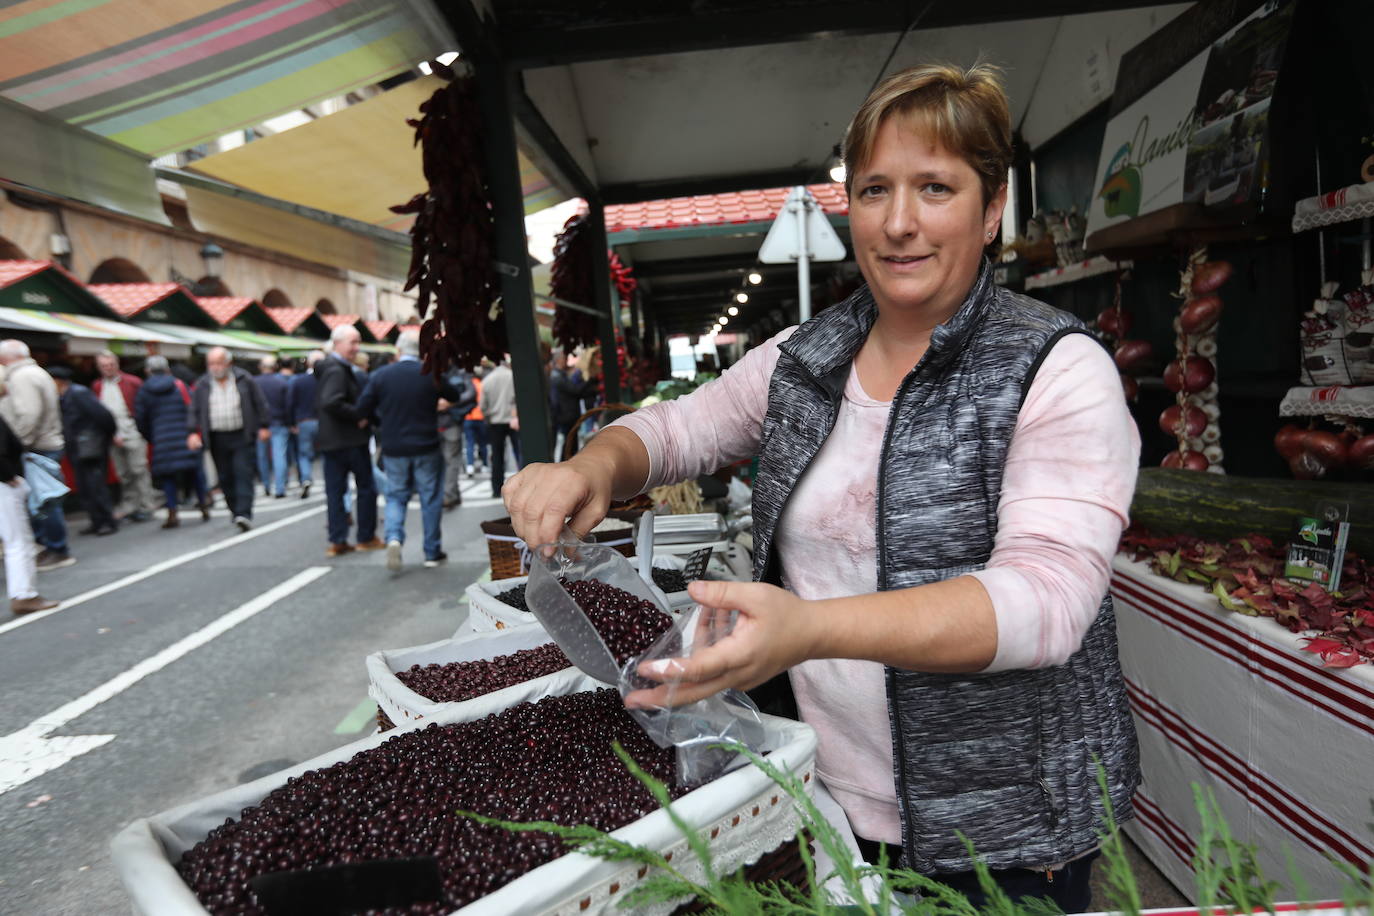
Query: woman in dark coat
(160, 412)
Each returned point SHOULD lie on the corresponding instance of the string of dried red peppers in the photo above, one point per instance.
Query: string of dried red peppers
(453, 238)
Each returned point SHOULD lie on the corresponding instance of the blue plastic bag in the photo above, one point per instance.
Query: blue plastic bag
(44, 477)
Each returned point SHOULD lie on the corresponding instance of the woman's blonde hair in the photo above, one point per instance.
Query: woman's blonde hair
(962, 109)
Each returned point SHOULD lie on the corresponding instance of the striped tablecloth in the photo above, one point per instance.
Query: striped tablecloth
(1233, 703)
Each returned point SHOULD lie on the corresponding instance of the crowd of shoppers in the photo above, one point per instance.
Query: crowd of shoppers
(395, 431)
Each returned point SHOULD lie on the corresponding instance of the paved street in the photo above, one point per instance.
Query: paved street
(204, 659)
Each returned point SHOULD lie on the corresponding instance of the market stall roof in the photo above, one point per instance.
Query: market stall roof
(203, 340)
(354, 321)
(88, 334)
(683, 99)
(239, 313)
(47, 286)
(166, 76)
(384, 331)
(729, 208)
(169, 302)
(318, 164)
(300, 322)
(277, 343)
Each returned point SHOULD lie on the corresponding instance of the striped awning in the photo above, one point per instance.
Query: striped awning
(168, 75)
(87, 334)
(204, 340)
(278, 343)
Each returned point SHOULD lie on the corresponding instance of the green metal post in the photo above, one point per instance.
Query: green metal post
(607, 302)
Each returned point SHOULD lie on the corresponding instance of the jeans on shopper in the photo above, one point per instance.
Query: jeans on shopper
(135, 482)
(306, 431)
(233, 456)
(451, 445)
(51, 532)
(423, 474)
(475, 431)
(499, 434)
(94, 491)
(281, 434)
(171, 487)
(338, 464)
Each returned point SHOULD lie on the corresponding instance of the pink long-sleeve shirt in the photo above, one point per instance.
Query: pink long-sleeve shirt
(1069, 477)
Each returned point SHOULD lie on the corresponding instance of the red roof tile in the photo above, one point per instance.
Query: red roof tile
(380, 329)
(224, 309)
(718, 209)
(288, 319)
(14, 271)
(335, 321)
(128, 299)
(409, 327)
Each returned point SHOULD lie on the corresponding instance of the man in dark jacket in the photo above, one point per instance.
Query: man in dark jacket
(276, 391)
(160, 412)
(404, 401)
(342, 441)
(451, 414)
(566, 391)
(88, 429)
(229, 413)
(301, 407)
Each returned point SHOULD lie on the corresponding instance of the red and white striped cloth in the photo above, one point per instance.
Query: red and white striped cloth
(1233, 703)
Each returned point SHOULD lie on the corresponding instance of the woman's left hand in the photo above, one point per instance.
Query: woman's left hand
(774, 631)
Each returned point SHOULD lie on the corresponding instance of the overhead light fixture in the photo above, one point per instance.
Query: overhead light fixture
(724, 320)
(732, 311)
(755, 277)
(741, 298)
(447, 57)
(424, 67)
(837, 173)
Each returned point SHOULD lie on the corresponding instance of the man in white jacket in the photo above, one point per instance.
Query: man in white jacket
(31, 408)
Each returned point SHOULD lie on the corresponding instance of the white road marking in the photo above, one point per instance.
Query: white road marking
(156, 568)
(29, 753)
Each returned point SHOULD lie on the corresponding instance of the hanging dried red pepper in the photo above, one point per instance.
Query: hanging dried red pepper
(453, 238)
(572, 279)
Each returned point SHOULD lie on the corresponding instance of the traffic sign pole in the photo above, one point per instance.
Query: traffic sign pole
(803, 260)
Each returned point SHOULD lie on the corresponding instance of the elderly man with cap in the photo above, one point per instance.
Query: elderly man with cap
(229, 413)
(88, 428)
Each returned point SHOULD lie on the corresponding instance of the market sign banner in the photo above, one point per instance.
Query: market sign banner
(1201, 135)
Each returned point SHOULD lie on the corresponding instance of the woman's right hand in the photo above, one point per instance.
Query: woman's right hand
(542, 498)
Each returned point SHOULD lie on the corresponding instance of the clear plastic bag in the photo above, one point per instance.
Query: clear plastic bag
(729, 716)
(696, 729)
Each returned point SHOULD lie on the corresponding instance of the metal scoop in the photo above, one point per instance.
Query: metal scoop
(560, 615)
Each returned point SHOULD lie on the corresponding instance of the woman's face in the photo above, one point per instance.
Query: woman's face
(918, 223)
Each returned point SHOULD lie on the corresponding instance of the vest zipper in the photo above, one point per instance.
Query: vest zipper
(898, 747)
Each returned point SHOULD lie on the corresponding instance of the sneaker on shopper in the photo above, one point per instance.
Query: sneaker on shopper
(305, 490)
(470, 471)
(393, 555)
(243, 523)
(205, 512)
(374, 544)
(49, 559)
(437, 560)
(338, 550)
(21, 606)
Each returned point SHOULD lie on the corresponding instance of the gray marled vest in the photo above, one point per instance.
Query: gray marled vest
(1006, 759)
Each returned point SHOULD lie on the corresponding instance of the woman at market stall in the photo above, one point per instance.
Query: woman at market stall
(945, 468)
